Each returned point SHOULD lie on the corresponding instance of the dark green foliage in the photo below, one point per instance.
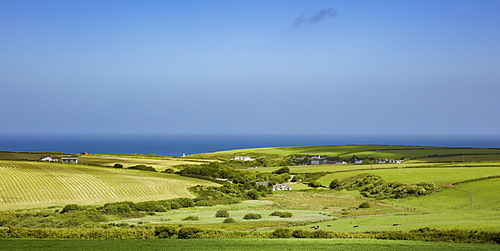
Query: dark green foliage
(229, 220)
(118, 166)
(314, 183)
(189, 232)
(282, 170)
(191, 218)
(253, 194)
(252, 216)
(169, 170)
(118, 208)
(335, 184)
(170, 232)
(374, 186)
(143, 168)
(70, 207)
(222, 213)
(281, 214)
(281, 233)
(205, 203)
(365, 205)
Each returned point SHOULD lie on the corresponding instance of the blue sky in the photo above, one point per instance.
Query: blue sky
(250, 66)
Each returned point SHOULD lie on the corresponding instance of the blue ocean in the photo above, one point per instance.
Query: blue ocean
(180, 144)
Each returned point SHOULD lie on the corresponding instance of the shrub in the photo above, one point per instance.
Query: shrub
(222, 213)
(253, 194)
(335, 184)
(282, 170)
(281, 214)
(252, 216)
(70, 207)
(189, 232)
(166, 232)
(315, 183)
(205, 203)
(229, 220)
(281, 233)
(118, 166)
(191, 218)
(143, 168)
(365, 205)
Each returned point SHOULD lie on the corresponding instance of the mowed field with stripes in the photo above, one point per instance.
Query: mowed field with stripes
(28, 184)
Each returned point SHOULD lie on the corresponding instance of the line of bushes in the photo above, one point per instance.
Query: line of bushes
(174, 232)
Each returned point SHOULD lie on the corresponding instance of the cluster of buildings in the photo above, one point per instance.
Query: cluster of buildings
(277, 187)
(243, 158)
(319, 160)
(64, 159)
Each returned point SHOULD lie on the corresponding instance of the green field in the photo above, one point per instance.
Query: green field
(437, 174)
(239, 244)
(26, 184)
(368, 151)
(465, 200)
(160, 163)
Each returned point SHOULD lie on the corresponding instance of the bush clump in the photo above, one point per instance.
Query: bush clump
(191, 218)
(281, 214)
(252, 216)
(229, 220)
(222, 213)
(335, 184)
(281, 233)
(365, 205)
(143, 168)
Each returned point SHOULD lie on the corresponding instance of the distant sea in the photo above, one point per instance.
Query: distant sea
(179, 144)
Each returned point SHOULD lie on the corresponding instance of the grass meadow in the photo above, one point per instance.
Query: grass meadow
(238, 244)
(437, 175)
(27, 184)
(364, 151)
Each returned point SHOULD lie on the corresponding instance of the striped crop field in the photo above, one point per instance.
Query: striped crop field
(26, 184)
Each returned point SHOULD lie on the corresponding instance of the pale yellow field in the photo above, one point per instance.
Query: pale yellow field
(26, 184)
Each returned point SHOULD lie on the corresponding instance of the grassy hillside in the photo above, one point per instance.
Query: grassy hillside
(26, 184)
(160, 163)
(365, 151)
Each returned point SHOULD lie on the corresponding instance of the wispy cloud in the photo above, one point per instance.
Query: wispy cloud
(320, 16)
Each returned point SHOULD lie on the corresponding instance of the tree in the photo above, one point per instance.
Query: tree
(253, 194)
(315, 183)
(118, 166)
(282, 170)
(334, 184)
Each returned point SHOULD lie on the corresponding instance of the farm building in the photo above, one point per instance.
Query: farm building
(243, 158)
(280, 187)
(69, 159)
(50, 158)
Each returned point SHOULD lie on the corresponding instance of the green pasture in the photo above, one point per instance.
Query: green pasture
(336, 167)
(159, 163)
(362, 151)
(28, 184)
(238, 244)
(436, 175)
(206, 216)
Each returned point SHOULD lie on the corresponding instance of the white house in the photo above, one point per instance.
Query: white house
(69, 159)
(50, 158)
(243, 158)
(279, 187)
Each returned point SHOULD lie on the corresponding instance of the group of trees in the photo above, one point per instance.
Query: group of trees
(373, 186)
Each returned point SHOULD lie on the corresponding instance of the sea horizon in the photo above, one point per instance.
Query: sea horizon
(193, 143)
